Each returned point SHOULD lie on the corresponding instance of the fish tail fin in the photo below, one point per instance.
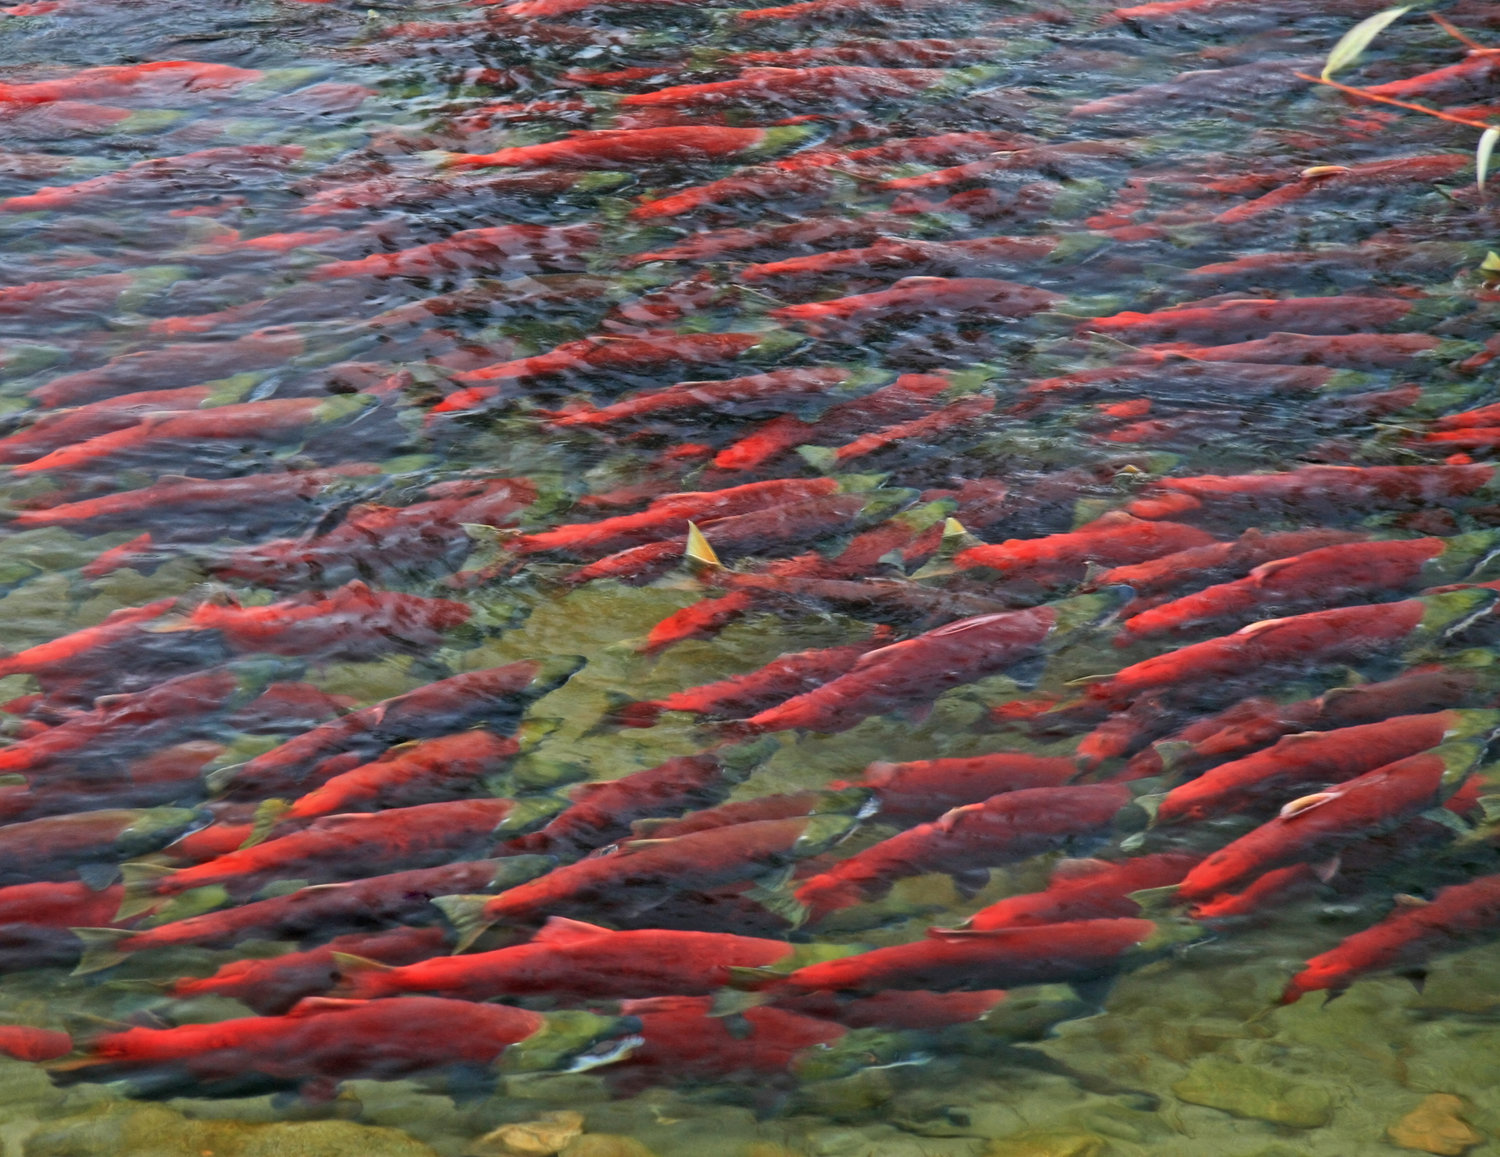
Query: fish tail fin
(1155, 901)
(466, 914)
(140, 888)
(623, 711)
(747, 979)
(221, 777)
(359, 977)
(101, 948)
(267, 815)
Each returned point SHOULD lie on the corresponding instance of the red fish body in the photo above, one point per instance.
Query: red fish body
(320, 1043)
(349, 622)
(1001, 830)
(632, 148)
(927, 53)
(1346, 183)
(67, 847)
(1311, 759)
(668, 514)
(1325, 575)
(906, 257)
(914, 297)
(1370, 803)
(766, 242)
(112, 82)
(1316, 637)
(1180, 380)
(161, 174)
(741, 695)
(344, 847)
(174, 435)
(682, 1040)
(569, 961)
(754, 392)
(923, 790)
(1217, 561)
(80, 654)
(59, 428)
(122, 726)
(178, 364)
(637, 875)
(271, 986)
(1318, 492)
(1086, 890)
(380, 537)
(498, 247)
(913, 672)
(313, 914)
(762, 87)
(648, 354)
(1113, 540)
(427, 771)
(789, 805)
(497, 695)
(601, 812)
(1458, 916)
(1045, 954)
(1247, 318)
(905, 399)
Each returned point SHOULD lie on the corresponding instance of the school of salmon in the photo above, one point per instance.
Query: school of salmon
(1129, 457)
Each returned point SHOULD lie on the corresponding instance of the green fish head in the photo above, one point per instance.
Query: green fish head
(856, 1050)
(567, 1040)
(822, 832)
(157, 827)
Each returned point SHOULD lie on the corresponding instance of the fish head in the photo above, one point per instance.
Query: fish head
(571, 1037)
(822, 832)
(157, 827)
(857, 1050)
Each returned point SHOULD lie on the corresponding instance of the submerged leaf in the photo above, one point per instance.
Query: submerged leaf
(1354, 42)
(1482, 154)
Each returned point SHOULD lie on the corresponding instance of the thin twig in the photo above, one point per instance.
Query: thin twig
(1458, 34)
(1406, 104)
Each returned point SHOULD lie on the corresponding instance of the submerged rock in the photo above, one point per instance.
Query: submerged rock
(125, 1130)
(1254, 1091)
(1435, 1126)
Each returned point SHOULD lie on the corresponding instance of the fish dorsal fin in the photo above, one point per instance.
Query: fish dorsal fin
(1081, 869)
(348, 963)
(560, 932)
(1266, 569)
(315, 1005)
(973, 933)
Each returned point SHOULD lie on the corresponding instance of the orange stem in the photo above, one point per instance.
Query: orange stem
(1458, 34)
(1406, 104)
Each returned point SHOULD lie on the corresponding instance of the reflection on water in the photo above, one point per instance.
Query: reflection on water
(653, 578)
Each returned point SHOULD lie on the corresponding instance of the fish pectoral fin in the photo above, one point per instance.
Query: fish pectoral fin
(98, 876)
(1328, 869)
(348, 963)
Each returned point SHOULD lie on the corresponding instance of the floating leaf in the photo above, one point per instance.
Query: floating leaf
(1354, 42)
(1482, 154)
(698, 549)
